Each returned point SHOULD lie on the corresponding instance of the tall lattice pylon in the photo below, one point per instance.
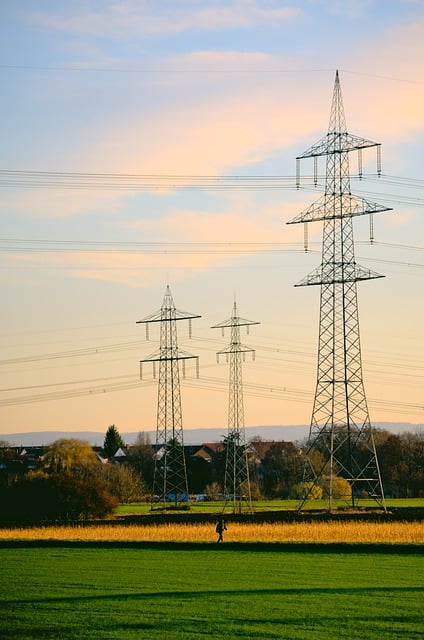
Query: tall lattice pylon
(236, 477)
(341, 443)
(170, 474)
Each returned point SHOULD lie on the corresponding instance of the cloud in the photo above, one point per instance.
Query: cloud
(219, 123)
(225, 124)
(351, 9)
(44, 203)
(144, 18)
(184, 243)
(402, 219)
(236, 109)
(209, 126)
(387, 94)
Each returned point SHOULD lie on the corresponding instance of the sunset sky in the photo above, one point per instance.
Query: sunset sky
(209, 103)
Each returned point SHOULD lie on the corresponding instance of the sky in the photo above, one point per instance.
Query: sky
(153, 143)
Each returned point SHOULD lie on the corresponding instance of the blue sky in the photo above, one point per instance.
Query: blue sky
(188, 88)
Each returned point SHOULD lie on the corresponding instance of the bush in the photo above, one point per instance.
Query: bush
(40, 498)
(122, 482)
(213, 491)
(315, 492)
(341, 489)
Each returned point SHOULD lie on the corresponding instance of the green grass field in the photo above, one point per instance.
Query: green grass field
(140, 508)
(121, 591)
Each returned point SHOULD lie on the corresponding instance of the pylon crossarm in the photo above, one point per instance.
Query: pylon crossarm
(159, 316)
(158, 357)
(234, 322)
(339, 142)
(332, 207)
(235, 348)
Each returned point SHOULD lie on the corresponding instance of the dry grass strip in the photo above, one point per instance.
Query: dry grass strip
(319, 532)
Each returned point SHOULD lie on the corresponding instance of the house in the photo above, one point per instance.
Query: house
(208, 450)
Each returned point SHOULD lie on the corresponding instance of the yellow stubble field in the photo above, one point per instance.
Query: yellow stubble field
(303, 532)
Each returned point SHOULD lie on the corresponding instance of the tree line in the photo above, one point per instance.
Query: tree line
(70, 481)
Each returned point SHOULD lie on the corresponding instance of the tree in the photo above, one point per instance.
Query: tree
(217, 465)
(389, 454)
(413, 458)
(401, 460)
(69, 455)
(199, 474)
(141, 458)
(112, 441)
(281, 468)
(11, 466)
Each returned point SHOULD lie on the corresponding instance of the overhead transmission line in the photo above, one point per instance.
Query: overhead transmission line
(27, 246)
(208, 384)
(30, 179)
(73, 353)
(207, 344)
(138, 182)
(95, 386)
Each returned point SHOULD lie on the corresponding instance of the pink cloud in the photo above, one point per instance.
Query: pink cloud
(147, 18)
(387, 96)
(182, 246)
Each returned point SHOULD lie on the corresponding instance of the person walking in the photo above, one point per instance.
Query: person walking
(220, 528)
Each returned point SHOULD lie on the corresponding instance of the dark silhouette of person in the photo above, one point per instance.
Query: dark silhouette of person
(220, 528)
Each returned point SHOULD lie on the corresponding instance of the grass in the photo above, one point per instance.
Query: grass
(305, 532)
(195, 592)
(312, 580)
(141, 508)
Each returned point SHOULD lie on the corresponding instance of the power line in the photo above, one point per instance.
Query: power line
(158, 181)
(204, 70)
(73, 354)
(223, 70)
(87, 180)
(269, 391)
(93, 244)
(204, 342)
(24, 245)
(35, 247)
(212, 384)
(15, 245)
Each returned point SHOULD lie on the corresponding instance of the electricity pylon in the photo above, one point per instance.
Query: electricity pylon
(236, 478)
(170, 474)
(341, 442)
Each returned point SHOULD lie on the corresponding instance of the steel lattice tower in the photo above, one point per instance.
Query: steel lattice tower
(170, 475)
(340, 426)
(236, 478)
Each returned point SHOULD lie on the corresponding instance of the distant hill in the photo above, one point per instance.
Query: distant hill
(191, 436)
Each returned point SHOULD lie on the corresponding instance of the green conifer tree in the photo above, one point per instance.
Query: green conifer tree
(112, 441)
